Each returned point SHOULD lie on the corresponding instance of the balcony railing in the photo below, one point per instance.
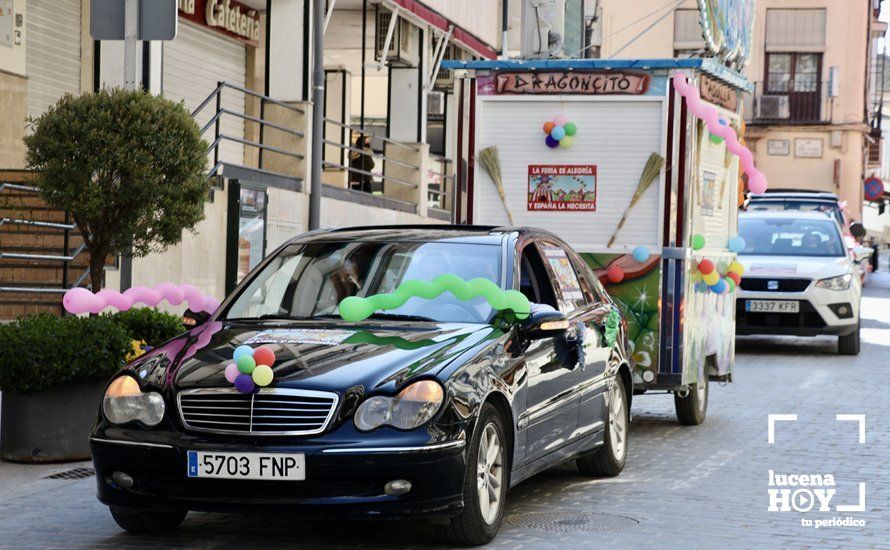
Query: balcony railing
(801, 106)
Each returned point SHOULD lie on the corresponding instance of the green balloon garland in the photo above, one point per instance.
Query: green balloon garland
(355, 308)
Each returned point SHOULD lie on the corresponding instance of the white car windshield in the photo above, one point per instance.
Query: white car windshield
(790, 237)
(310, 280)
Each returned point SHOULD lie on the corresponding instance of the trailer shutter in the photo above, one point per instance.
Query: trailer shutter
(193, 64)
(53, 52)
(617, 136)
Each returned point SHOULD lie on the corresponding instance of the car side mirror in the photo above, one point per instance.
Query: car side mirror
(545, 322)
(857, 230)
(192, 319)
(862, 253)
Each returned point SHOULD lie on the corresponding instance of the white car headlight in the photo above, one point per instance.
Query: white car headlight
(415, 405)
(125, 402)
(841, 282)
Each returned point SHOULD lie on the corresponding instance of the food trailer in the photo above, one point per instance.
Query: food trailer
(614, 158)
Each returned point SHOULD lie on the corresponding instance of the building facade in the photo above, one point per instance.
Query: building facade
(808, 118)
(243, 67)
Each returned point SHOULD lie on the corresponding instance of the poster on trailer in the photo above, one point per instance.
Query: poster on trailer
(560, 187)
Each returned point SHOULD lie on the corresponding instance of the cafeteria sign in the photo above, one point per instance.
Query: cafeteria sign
(562, 187)
(572, 82)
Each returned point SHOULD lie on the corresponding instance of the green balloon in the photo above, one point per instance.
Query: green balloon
(698, 242)
(245, 364)
(715, 139)
(612, 323)
(355, 308)
(570, 128)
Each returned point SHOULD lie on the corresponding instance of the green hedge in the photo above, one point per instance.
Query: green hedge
(41, 351)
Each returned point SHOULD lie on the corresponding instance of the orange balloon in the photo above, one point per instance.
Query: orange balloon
(548, 126)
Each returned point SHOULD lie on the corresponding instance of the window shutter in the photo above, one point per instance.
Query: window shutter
(795, 30)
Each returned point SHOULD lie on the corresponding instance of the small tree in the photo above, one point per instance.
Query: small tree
(129, 166)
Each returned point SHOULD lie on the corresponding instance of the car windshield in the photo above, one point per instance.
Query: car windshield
(310, 280)
(790, 237)
(793, 205)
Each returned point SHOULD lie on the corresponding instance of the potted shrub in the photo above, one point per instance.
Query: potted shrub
(53, 371)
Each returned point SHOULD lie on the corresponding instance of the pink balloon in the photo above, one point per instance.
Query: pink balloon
(114, 299)
(194, 297)
(560, 120)
(171, 293)
(232, 372)
(79, 300)
(756, 180)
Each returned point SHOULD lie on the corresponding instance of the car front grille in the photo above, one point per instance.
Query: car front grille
(270, 411)
(761, 284)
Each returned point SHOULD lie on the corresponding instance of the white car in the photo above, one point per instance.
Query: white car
(799, 279)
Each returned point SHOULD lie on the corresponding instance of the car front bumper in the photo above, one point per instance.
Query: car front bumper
(818, 313)
(343, 479)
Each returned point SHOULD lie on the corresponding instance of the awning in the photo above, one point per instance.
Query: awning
(414, 10)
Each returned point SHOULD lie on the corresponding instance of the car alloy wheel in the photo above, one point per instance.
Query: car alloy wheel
(490, 473)
(617, 422)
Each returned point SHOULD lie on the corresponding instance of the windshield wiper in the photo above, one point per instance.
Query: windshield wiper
(400, 317)
(269, 317)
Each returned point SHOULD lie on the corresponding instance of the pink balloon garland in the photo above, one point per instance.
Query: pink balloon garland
(80, 300)
(756, 180)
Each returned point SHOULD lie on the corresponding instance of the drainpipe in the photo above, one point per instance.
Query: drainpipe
(317, 112)
(505, 25)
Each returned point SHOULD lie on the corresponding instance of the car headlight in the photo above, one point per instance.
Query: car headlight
(415, 405)
(125, 402)
(841, 282)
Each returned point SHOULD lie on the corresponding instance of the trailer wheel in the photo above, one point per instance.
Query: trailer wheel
(693, 407)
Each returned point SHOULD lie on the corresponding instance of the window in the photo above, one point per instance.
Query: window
(795, 29)
(534, 281)
(797, 75)
(564, 275)
(791, 237)
(310, 280)
(687, 32)
(251, 230)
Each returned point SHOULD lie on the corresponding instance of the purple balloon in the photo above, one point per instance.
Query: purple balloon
(244, 383)
(147, 296)
(552, 143)
(194, 297)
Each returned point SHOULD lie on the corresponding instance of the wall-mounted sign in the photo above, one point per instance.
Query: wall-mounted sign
(562, 187)
(874, 189)
(808, 148)
(572, 82)
(226, 16)
(778, 147)
(727, 26)
(718, 93)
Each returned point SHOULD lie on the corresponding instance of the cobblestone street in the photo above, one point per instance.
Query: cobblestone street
(686, 487)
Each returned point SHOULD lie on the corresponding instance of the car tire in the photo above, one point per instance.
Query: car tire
(849, 344)
(692, 409)
(477, 524)
(147, 521)
(609, 459)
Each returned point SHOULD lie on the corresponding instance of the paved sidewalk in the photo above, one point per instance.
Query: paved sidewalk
(684, 487)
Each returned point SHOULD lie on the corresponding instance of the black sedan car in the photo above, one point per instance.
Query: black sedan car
(432, 409)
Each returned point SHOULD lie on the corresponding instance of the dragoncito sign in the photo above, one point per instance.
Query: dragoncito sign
(226, 16)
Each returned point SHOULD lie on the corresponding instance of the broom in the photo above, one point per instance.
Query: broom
(490, 161)
(650, 173)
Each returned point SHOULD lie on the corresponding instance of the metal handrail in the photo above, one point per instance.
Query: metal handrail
(364, 132)
(371, 154)
(372, 174)
(49, 225)
(18, 187)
